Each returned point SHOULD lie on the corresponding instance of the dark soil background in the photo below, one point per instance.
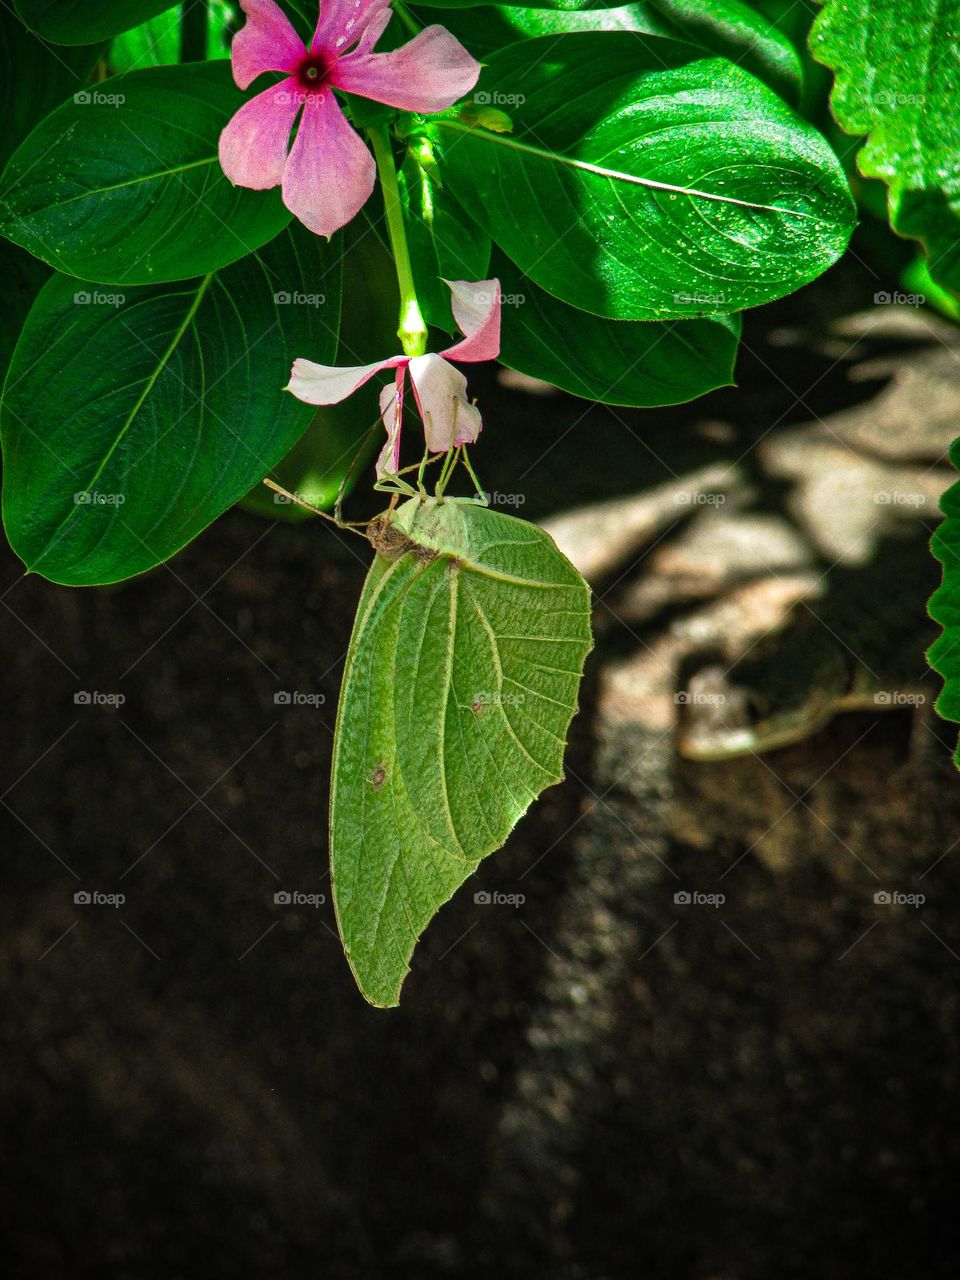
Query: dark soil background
(575, 1088)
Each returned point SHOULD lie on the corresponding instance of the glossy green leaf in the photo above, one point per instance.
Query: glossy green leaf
(897, 68)
(131, 418)
(645, 180)
(736, 31)
(641, 363)
(488, 27)
(156, 43)
(85, 21)
(460, 684)
(444, 243)
(564, 6)
(944, 654)
(123, 185)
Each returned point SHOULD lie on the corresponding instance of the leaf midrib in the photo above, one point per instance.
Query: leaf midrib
(141, 400)
(614, 175)
(119, 186)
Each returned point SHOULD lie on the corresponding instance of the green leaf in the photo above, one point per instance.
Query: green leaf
(156, 42)
(897, 68)
(160, 403)
(614, 361)
(944, 653)
(489, 27)
(644, 180)
(85, 21)
(444, 243)
(734, 30)
(564, 6)
(123, 185)
(34, 78)
(460, 684)
(23, 276)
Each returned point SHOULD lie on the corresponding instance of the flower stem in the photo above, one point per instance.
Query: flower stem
(413, 329)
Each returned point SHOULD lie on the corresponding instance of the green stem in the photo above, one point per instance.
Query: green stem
(413, 329)
(407, 18)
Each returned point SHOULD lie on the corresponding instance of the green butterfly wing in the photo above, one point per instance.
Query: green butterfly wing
(460, 684)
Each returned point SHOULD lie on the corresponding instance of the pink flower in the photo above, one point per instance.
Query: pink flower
(449, 419)
(329, 173)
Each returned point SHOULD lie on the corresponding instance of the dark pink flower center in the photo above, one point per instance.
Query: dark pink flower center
(313, 72)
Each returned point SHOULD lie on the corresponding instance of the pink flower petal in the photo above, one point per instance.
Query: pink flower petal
(253, 146)
(342, 22)
(327, 384)
(441, 393)
(265, 42)
(476, 309)
(329, 174)
(391, 410)
(429, 73)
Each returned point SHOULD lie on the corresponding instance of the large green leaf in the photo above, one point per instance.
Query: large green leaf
(460, 684)
(131, 419)
(733, 29)
(85, 21)
(617, 362)
(123, 185)
(944, 654)
(897, 67)
(488, 27)
(565, 6)
(645, 180)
